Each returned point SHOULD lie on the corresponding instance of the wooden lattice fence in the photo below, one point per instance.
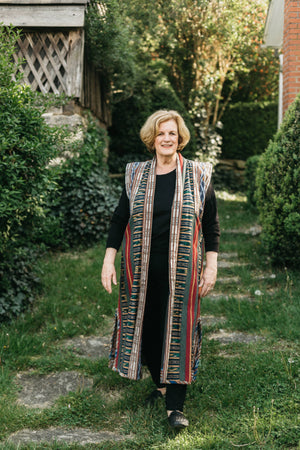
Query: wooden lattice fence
(50, 61)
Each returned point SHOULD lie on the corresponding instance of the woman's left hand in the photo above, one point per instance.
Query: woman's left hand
(207, 281)
(209, 276)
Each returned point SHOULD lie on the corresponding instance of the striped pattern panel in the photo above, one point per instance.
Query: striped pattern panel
(182, 341)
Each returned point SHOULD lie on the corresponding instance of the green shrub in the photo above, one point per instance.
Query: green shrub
(26, 146)
(86, 195)
(250, 177)
(19, 280)
(247, 129)
(278, 191)
(128, 118)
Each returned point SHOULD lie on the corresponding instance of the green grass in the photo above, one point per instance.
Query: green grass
(244, 395)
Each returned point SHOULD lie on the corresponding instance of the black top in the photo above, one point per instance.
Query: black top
(163, 199)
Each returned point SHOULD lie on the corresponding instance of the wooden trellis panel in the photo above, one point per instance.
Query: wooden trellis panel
(52, 61)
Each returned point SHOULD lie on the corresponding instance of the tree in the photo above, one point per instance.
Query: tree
(207, 42)
(108, 48)
(201, 46)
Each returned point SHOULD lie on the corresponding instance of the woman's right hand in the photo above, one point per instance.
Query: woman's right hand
(108, 273)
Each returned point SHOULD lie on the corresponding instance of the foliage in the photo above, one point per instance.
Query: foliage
(260, 84)
(130, 115)
(278, 191)
(86, 195)
(247, 129)
(18, 280)
(26, 146)
(107, 47)
(204, 48)
(250, 177)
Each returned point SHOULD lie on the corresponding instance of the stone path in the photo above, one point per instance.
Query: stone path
(92, 347)
(41, 391)
(228, 261)
(253, 231)
(226, 337)
(81, 436)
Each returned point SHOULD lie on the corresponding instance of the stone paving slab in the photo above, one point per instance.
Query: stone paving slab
(82, 436)
(228, 337)
(227, 280)
(216, 297)
(230, 264)
(267, 276)
(227, 255)
(208, 320)
(254, 231)
(41, 391)
(92, 347)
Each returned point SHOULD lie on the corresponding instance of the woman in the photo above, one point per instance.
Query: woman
(166, 208)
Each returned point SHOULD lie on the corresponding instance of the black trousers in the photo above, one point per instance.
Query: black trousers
(154, 326)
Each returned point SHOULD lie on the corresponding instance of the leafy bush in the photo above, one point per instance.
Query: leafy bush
(86, 195)
(19, 280)
(128, 118)
(250, 176)
(247, 129)
(26, 146)
(278, 191)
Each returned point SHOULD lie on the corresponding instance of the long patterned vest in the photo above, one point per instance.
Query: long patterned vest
(182, 339)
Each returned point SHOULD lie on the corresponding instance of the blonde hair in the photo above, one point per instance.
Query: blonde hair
(149, 130)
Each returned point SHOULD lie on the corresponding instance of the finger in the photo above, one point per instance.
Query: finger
(114, 278)
(106, 283)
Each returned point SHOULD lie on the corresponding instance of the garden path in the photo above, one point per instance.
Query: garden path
(41, 391)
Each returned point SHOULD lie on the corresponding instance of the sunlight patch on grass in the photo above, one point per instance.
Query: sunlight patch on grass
(235, 197)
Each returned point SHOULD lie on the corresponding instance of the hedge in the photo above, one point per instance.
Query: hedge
(250, 178)
(278, 191)
(247, 129)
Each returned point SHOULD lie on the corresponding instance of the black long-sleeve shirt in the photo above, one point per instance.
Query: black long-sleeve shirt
(163, 199)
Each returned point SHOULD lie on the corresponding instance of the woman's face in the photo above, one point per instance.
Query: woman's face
(166, 141)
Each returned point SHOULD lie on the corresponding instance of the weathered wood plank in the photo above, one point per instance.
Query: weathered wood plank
(42, 16)
(75, 63)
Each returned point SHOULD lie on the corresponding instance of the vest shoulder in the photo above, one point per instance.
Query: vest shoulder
(203, 166)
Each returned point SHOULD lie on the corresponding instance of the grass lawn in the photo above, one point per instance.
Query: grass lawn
(246, 395)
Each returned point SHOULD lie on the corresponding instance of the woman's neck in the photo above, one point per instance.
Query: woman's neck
(165, 165)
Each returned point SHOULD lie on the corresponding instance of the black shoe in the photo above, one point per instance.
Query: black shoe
(177, 420)
(151, 399)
